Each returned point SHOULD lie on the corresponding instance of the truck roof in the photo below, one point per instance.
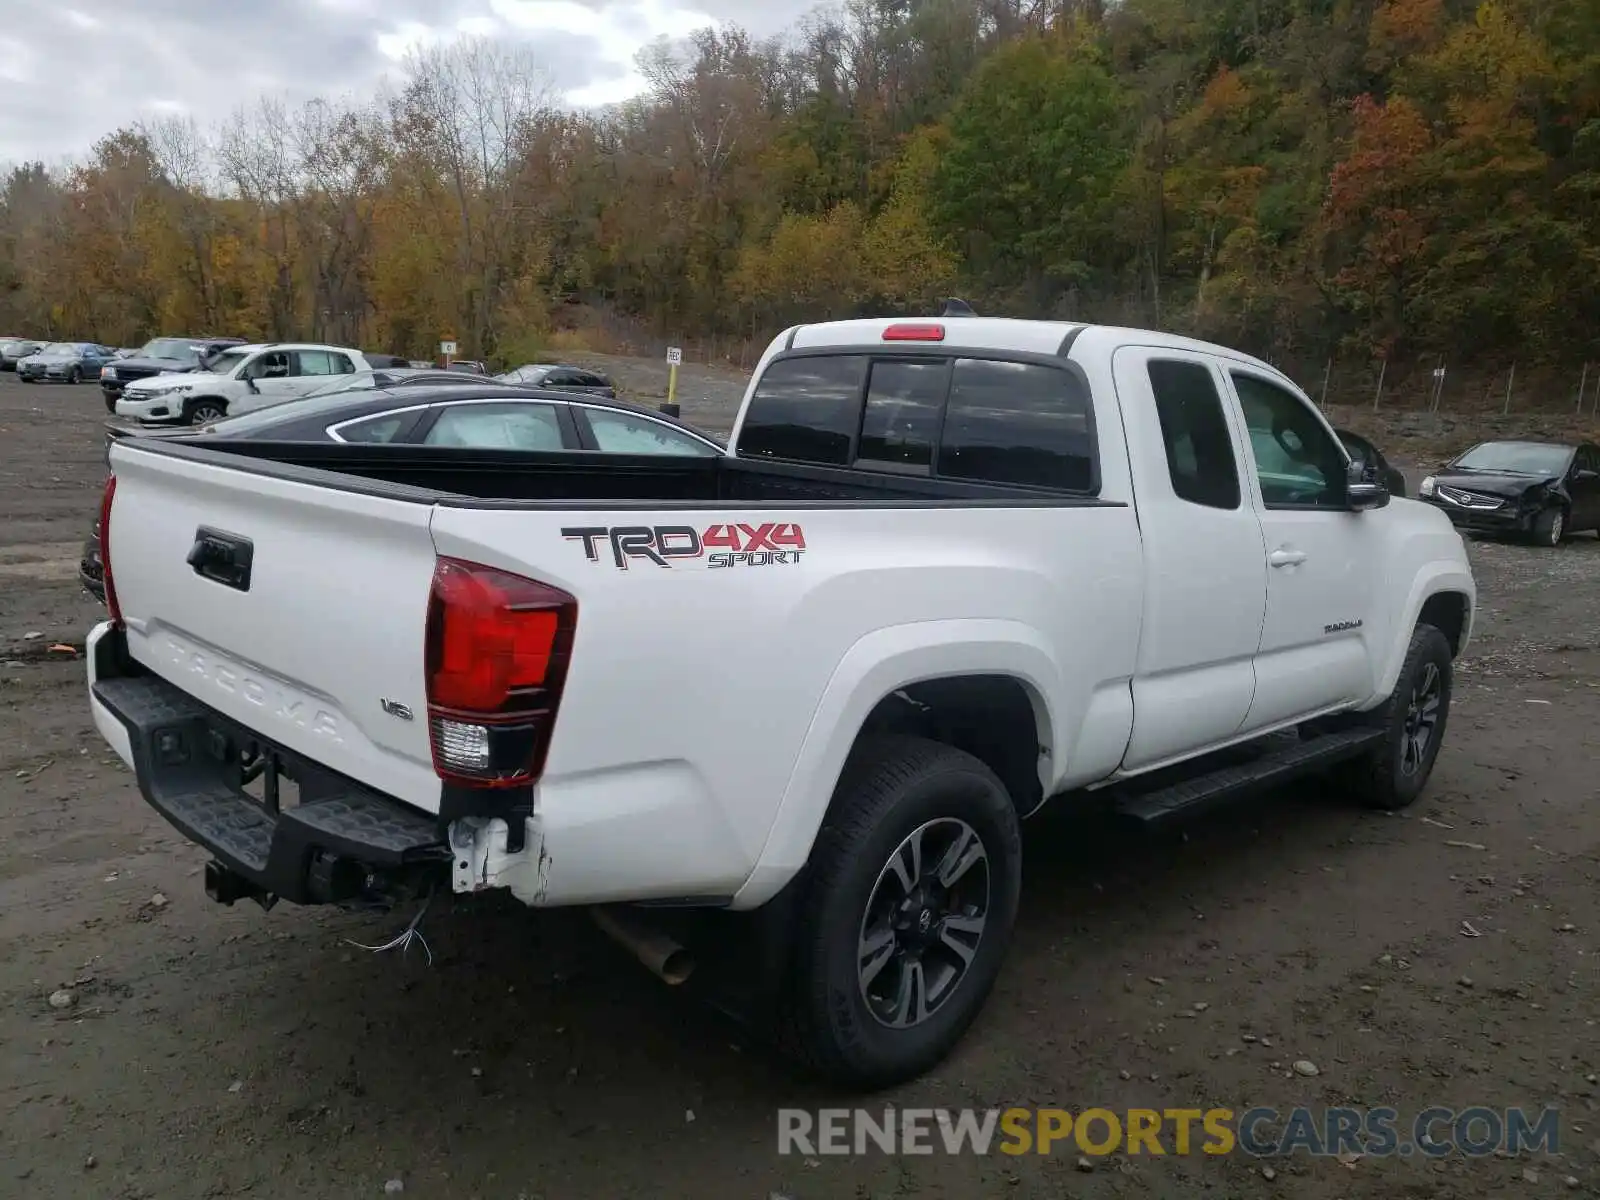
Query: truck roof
(1011, 334)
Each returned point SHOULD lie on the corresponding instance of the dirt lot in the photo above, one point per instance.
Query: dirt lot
(1445, 957)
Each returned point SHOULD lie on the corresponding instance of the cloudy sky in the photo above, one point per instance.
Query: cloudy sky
(72, 70)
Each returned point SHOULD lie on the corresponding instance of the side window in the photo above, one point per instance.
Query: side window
(271, 364)
(1017, 423)
(316, 362)
(901, 420)
(498, 427)
(805, 409)
(622, 433)
(341, 364)
(1299, 463)
(1194, 430)
(375, 429)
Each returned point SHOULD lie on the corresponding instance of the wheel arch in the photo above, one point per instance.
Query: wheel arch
(982, 686)
(1444, 595)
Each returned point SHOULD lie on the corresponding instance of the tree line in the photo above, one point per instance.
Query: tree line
(1295, 177)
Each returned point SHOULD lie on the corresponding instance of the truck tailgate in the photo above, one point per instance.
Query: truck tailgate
(297, 609)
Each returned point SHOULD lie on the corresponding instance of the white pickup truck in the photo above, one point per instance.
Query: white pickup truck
(801, 696)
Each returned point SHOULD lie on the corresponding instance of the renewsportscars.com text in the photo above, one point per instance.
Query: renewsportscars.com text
(1263, 1132)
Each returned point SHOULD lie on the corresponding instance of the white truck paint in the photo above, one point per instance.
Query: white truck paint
(713, 699)
(240, 379)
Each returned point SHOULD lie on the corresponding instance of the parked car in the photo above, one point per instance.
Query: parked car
(65, 362)
(14, 350)
(437, 408)
(470, 365)
(567, 379)
(1372, 462)
(393, 377)
(949, 571)
(160, 356)
(240, 379)
(1537, 490)
(387, 360)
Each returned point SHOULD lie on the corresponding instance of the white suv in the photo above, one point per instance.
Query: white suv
(238, 380)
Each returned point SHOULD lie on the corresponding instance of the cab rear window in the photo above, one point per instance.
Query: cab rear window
(979, 420)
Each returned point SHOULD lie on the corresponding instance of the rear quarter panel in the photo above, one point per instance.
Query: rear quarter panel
(708, 709)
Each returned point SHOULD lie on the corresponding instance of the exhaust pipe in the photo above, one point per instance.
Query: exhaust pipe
(669, 961)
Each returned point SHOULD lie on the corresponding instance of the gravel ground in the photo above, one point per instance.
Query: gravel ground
(1447, 956)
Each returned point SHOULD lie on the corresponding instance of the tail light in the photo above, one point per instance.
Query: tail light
(103, 530)
(496, 656)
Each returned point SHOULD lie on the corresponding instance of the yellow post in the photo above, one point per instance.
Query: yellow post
(672, 384)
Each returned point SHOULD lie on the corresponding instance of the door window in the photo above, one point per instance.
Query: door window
(623, 433)
(273, 364)
(1194, 430)
(1299, 463)
(498, 427)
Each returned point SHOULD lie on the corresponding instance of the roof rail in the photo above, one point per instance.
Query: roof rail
(954, 306)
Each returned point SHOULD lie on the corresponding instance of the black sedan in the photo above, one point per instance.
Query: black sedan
(462, 412)
(1538, 490)
(561, 378)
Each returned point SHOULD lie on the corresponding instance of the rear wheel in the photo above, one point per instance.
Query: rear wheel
(1550, 526)
(1392, 775)
(908, 910)
(74, 375)
(203, 412)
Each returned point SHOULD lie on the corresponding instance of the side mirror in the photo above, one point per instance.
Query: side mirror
(1362, 493)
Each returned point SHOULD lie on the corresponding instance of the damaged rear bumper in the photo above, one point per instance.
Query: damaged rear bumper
(341, 843)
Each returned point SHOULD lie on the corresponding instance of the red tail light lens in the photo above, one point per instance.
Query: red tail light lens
(496, 655)
(914, 333)
(104, 532)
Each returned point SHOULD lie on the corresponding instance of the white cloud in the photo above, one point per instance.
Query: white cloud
(196, 56)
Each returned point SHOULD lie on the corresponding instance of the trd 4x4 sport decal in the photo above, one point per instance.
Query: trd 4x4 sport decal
(718, 546)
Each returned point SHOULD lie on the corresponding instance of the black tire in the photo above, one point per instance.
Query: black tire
(1392, 775)
(203, 412)
(111, 403)
(895, 788)
(74, 376)
(25, 378)
(1550, 526)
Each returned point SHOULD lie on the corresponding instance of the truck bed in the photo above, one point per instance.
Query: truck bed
(522, 479)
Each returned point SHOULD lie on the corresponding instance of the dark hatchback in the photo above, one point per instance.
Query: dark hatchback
(161, 356)
(1537, 490)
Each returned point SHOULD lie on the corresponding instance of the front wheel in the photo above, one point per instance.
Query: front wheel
(913, 889)
(73, 375)
(1549, 527)
(203, 412)
(1392, 775)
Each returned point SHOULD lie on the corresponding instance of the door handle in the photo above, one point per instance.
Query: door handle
(1286, 557)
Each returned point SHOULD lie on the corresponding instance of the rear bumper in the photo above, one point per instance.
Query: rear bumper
(341, 843)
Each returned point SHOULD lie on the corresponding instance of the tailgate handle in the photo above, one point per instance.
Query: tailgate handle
(223, 558)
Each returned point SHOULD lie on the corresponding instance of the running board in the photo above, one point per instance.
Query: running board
(1286, 760)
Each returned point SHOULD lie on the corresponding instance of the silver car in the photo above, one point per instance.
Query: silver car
(65, 362)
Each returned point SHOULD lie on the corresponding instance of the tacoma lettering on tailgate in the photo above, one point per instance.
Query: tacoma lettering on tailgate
(718, 546)
(207, 673)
